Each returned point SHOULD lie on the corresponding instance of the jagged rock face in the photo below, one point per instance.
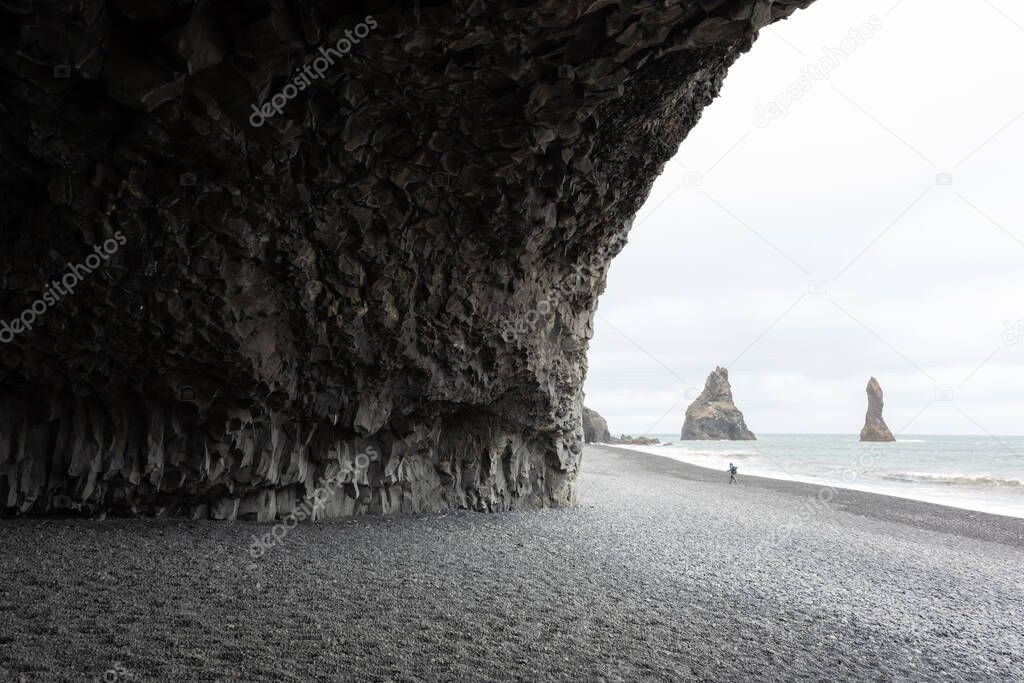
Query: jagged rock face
(713, 416)
(323, 229)
(875, 428)
(595, 427)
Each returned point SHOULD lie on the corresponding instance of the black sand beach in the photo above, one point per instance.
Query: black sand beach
(662, 572)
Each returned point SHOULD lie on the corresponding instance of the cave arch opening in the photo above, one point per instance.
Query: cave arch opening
(844, 209)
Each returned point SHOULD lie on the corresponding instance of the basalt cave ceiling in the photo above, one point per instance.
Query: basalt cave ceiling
(262, 249)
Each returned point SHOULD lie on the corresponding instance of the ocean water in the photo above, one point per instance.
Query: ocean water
(970, 472)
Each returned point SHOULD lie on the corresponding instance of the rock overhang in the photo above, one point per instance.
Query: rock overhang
(406, 257)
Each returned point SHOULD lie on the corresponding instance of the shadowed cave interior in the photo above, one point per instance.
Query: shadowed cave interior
(386, 287)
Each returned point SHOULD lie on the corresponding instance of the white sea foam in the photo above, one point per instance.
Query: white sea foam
(961, 471)
(953, 479)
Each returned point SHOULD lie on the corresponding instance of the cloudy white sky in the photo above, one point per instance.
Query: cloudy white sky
(811, 253)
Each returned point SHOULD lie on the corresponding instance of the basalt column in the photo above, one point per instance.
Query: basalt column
(257, 249)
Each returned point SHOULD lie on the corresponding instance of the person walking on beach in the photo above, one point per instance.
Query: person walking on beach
(732, 473)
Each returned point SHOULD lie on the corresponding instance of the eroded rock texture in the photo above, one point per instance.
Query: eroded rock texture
(595, 427)
(713, 416)
(407, 256)
(875, 428)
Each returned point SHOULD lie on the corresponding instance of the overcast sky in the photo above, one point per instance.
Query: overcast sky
(762, 211)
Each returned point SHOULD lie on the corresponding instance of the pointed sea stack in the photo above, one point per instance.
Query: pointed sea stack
(713, 416)
(875, 428)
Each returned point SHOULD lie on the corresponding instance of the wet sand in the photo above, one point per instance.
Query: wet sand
(662, 572)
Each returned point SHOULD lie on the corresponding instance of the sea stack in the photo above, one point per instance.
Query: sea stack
(713, 416)
(595, 427)
(875, 428)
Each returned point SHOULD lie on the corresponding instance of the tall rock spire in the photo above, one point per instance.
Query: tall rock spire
(713, 416)
(875, 428)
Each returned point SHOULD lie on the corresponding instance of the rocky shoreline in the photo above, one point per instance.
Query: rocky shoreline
(595, 430)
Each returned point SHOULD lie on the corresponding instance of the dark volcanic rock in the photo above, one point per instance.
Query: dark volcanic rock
(324, 228)
(627, 440)
(595, 427)
(875, 428)
(713, 416)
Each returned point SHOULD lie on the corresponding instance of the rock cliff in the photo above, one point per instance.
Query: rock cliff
(595, 427)
(254, 249)
(713, 415)
(875, 428)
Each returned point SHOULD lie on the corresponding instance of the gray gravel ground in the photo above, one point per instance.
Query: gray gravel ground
(663, 572)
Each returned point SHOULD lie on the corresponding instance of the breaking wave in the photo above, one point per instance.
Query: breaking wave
(953, 479)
